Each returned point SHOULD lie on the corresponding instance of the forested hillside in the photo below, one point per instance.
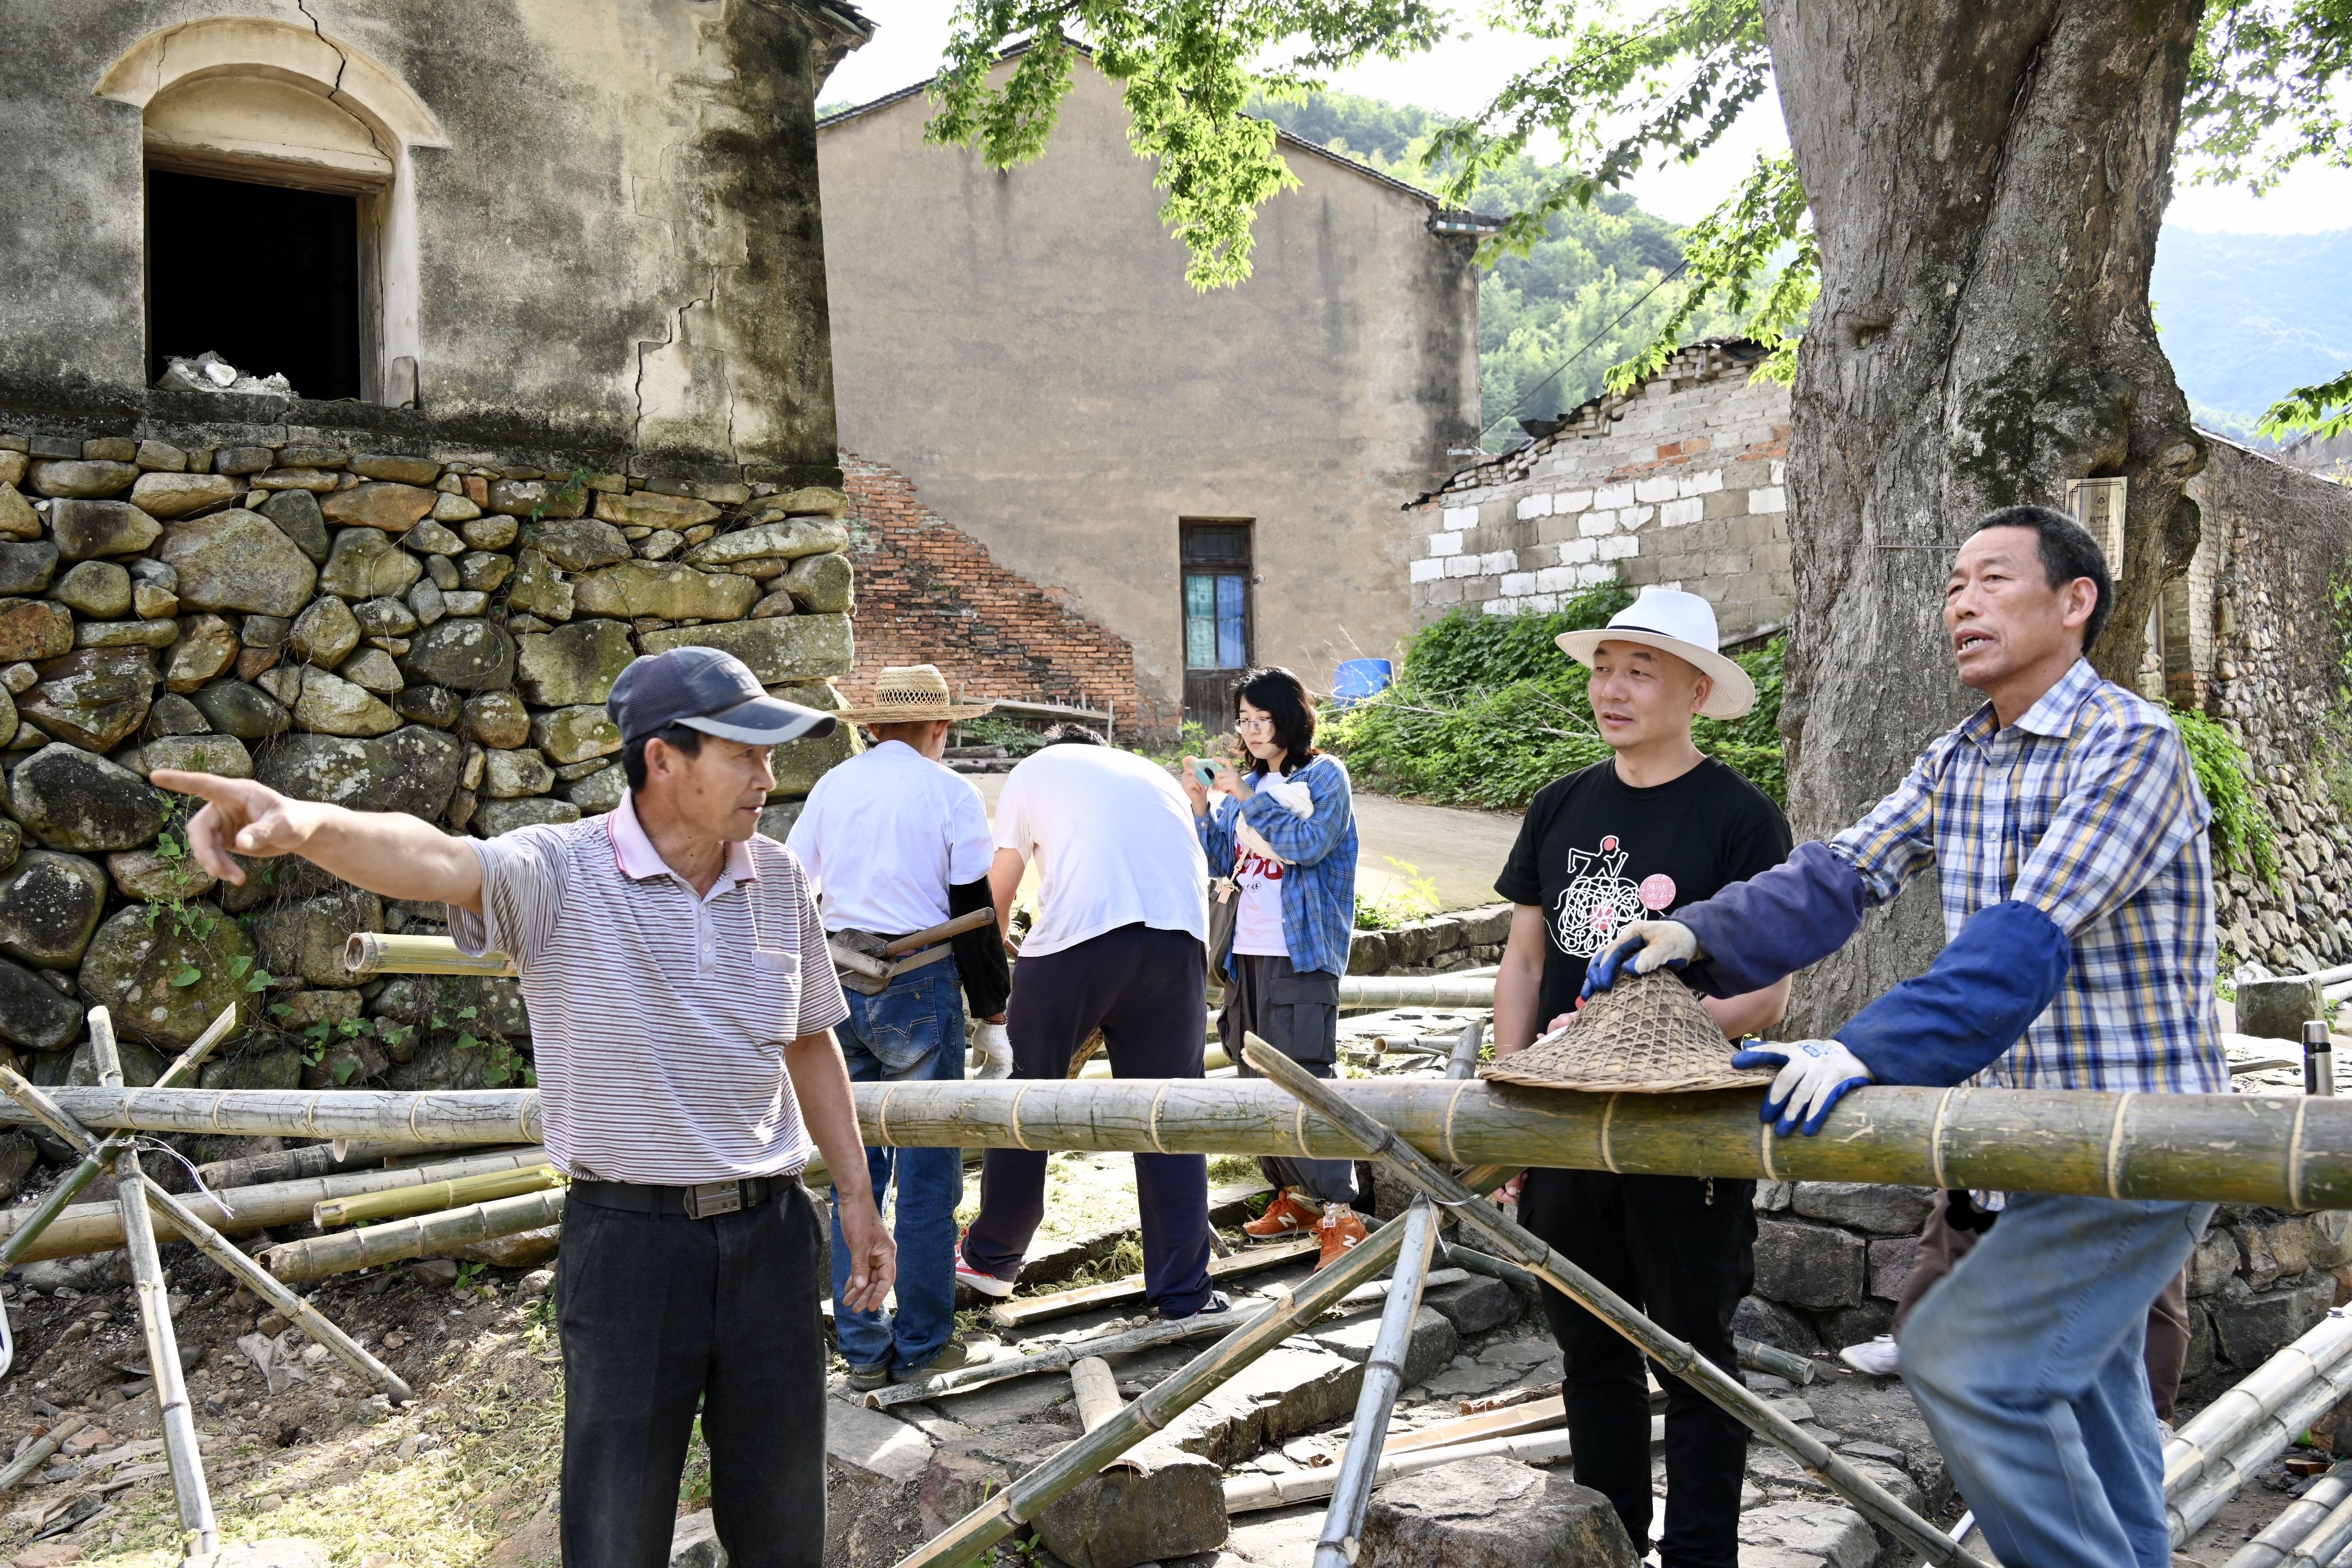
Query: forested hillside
(1595, 285)
(2247, 316)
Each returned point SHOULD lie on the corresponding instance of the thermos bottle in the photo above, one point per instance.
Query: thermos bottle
(2319, 1060)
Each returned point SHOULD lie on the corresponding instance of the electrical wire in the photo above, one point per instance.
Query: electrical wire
(1581, 353)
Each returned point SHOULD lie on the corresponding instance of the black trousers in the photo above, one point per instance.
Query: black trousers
(1298, 1012)
(660, 1314)
(1685, 1255)
(1146, 989)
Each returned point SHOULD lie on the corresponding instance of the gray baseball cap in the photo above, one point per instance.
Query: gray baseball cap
(707, 689)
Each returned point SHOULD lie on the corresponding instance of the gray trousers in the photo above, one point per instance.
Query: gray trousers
(1298, 1012)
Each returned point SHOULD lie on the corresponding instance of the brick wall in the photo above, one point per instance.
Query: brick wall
(929, 592)
(1679, 485)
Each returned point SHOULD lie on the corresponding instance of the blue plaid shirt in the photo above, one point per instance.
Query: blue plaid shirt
(1318, 890)
(2087, 809)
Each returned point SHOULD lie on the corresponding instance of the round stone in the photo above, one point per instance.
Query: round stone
(165, 979)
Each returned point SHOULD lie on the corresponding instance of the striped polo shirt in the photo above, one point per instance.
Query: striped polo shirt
(658, 1017)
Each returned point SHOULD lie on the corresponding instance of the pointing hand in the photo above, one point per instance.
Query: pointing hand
(242, 815)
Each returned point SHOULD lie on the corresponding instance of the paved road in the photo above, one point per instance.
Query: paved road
(1461, 851)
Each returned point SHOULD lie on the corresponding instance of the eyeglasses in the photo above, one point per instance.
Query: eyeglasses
(1253, 723)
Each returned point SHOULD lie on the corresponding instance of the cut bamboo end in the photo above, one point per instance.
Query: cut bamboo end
(432, 1195)
(380, 952)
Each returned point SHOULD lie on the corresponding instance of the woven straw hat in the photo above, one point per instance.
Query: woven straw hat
(910, 693)
(1645, 1035)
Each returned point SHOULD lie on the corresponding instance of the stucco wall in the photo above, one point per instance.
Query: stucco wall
(617, 248)
(1023, 346)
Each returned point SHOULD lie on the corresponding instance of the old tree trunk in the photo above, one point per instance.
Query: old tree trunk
(1987, 183)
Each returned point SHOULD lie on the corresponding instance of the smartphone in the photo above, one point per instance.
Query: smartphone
(1207, 773)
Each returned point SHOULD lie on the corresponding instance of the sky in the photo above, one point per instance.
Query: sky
(1460, 75)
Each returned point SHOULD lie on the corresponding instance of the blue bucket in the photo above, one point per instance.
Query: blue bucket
(1358, 678)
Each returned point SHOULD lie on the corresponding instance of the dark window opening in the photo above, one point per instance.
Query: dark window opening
(265, 277)
(1215, 557)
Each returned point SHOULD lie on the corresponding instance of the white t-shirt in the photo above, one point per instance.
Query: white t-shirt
(884, 835)
(1113, 839)
(1257, 920)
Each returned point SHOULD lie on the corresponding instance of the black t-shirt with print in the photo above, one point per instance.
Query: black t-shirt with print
(1596, 854)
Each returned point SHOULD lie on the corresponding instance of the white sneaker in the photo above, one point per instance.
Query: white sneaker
(1878, 1357)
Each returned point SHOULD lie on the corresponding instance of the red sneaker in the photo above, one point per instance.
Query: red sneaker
(1287, 1216)
(1340, 1230)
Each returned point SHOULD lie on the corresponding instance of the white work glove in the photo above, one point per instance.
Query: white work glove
(995, 1048)
(1814, 1075)
(1647, 945)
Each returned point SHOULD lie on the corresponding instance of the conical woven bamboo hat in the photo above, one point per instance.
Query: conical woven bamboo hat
(1645, 1035)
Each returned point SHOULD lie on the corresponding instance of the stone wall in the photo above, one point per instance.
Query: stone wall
(929, 592)
(1831, 1257)
(1463, 939)
(432, 632)
(2277, 541)
(1679, 485)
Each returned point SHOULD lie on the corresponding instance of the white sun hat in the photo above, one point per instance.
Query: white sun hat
(1678, 623)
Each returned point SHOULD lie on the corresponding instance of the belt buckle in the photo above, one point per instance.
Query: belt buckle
(710, 1199)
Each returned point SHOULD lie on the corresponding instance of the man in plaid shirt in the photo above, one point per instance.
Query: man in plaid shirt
(2068, 834)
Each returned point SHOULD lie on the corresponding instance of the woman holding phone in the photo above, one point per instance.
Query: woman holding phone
(1284, 828)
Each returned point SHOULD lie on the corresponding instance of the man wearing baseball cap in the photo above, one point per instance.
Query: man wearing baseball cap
(1656, 825)
(682, 1005)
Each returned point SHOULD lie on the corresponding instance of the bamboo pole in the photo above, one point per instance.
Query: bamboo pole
(1336, 1546)
(432, 1195)
(199, 1531)
(243, 1269)
(480, 1116)
(370, 952)
(2285, 1532)
(47, 1443)
(1117, 1292)
(2287, 1151)
(2326, 1541)
(1015, 1506)
(2221, 1427)
(1374, 1140)
(1249, 1494)
(321, 1160)
(1415, 990)
(2187, 1508)
(399, 1240)
(98, 1227)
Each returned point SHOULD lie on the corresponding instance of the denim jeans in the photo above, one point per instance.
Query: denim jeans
(2027, 1364)
(911, 1032)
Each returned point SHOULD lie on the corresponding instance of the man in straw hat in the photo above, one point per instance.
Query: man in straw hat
(682, 1006)
(1656, 825)
(896, 843)
(2067, 832)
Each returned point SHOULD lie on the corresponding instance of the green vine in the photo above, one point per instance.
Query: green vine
(2244, 838)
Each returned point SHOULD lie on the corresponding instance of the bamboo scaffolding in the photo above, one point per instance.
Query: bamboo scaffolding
(399, 1240)
(432, 1195)
(47, 1443)
(199, 1531)
(2287, 1531)
(98, 1227)
(209, 1241)
(1373, 1141)
(370, 952)
(2288, 1152)
(2222, 1426)
(1250, 1494)
(1015, 1506)
(1336, 1546)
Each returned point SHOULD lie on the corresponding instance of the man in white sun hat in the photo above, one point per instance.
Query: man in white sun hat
(1656, 825)
(682, 1006)
(897, 843)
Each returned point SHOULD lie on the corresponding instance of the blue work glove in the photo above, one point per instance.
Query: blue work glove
(1647, 945)
(1814, 1075)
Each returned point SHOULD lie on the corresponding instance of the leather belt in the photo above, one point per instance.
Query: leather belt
(707, 1201)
